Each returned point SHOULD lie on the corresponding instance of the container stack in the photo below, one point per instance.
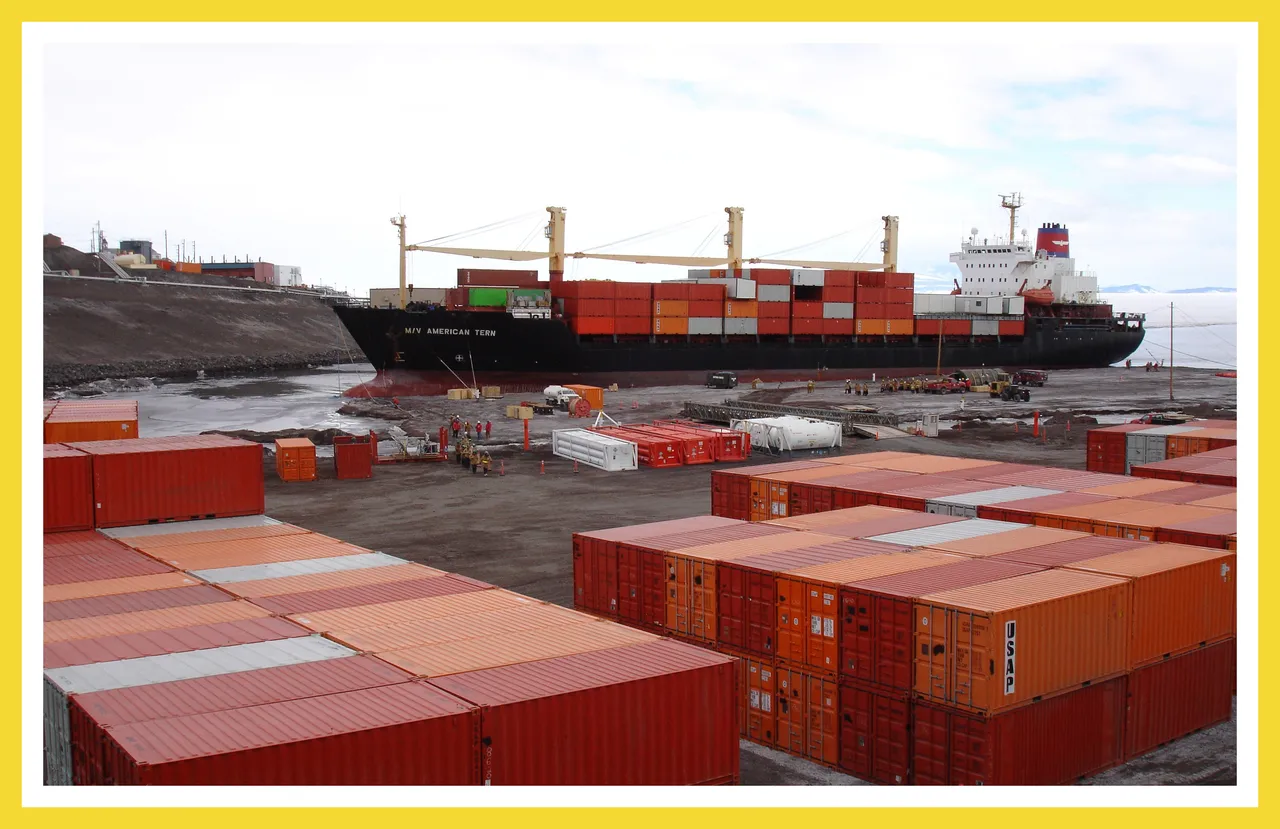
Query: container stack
(246, 651)
(633, 309)
(665, 443)
(838, 293)
(1215, 467)
(773, 293)
(1114, 506)
(1118, 449)
(913, 648)
(588, 305)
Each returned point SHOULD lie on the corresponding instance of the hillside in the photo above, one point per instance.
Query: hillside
(95, 330)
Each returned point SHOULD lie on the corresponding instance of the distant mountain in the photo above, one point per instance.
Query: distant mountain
(1147, 289)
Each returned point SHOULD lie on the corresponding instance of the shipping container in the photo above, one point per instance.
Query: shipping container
(837, 327)
(68, 489)
(594, 395)
(875, 735)
(659, 713)
(365, 737)
(806, 310)
(1157, 523)
(117, 586)
(898, 327)
(633, 308)
(167, 641)
(91, 420)
(808, 716)
(273, 549)
(592, 325)
(1217, 531)
(740, 327)
(412, 587)
(513, 278)
(1012, 328)
(1106, 447)
(773, 294)
(632, 291)
(109, 560)
(808, 604)
(877, 623)
(349, 619)
(837, 310)
(393, 570)
(145, 620)
(741, 308)
(295, 459)
(898, 311)
(731, 488)
(633, 326)
(1049, 743)
(706, 326)
(757, 698)
(934, 303)
(245, 526)
(91, 606)
(768, 276)
(994, 544)
(870, 327)
(149, 480)
(673, 326)
(1178, 696)
(353, 457)
(518, 618)
(1071, 626)
(966, 504)
(928, 491)
(1181, 598)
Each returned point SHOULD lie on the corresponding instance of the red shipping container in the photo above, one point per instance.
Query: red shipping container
(694, 447)
(353, 457)
(632, 308)
(373, 736)
(1212, 532)
(837, 294)
(877, 624)
(633, 326)
(1174, 698)
(653, 450)
(596, 289)
(773, 310)
(1012, 328)
(68, 489)
(672, 290)
(807, 326)
(173, 640)
(659, 713)
(773, 326)
(837, 328)
(706, 293)
(898, 311)
(839, 279)
(875, 735)
(634, 291)
(1052, 742)
(91, 606)
(872, 296)
(151, 480)
(901, 281)
(770, 276)
(591, 325)
(806, 310)
(504, 278)
(706, 307)
(595, 307)
(870, 279)
(316, 601)
(114, 561)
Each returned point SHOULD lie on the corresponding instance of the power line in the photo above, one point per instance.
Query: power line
(481, 229)
(639, 236)
(706, 240)
(806, 245)
(1206, 326)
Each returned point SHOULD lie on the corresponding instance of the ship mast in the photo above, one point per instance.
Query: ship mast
(1011, 203)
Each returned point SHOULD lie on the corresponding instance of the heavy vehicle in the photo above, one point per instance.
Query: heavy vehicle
(1030, 377)
(722, 380)
(1006, 390)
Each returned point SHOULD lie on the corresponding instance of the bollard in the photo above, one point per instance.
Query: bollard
(502, 468)
(1015, 427)
(877, 434)
(526, 435)
(542, 469)
(575, 467)
(1035, 425)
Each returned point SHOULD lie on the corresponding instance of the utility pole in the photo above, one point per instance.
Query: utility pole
(398, 221)
(939, 348)
(1170, 351)
(166, 244)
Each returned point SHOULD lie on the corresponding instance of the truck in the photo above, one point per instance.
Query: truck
(559, 396)
(722, 380)
(1030, 377)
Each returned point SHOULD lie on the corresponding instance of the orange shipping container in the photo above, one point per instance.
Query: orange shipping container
(671, 308)
(808, 601)
(691, 578)
(409, 610)
(741, 308)
(863, 327)
(116, 587)
(198, 557)
(285, 585)
(1085, 517)
(592, 394)
(996, 646)
(900, 327)
(119, 624)
(1007, 542)
(153, 544)
(1180, 598)
(72, 423)
(758, 699)
(516, 618)
(295, 459)
(808, 716)
(591, 325)
(678, 326)
(1143, 523)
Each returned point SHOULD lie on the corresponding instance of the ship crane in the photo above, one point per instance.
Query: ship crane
(555, 253)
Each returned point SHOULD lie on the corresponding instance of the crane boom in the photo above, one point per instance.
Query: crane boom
(687, 261)
(822, 265)
(482, 253)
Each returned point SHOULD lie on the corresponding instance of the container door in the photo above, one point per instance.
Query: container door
(791, 711)
(933, 645)
(762, 617)
(629, 585)
(982, 675)
(606, 576)
(779, 500)
(740, 688)
(891, 722)
(759, 500)
(823, 649)
(892, 633)
(579, 573)
(793, 620)
(971, 750)
(930, 746)
(823, 699)
(702, 600)
(653, 592)
(731, 606)
(856, 737)
(674, 615)
(762, 713)
(857, 627)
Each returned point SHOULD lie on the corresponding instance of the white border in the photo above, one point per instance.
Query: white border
(1243, 36)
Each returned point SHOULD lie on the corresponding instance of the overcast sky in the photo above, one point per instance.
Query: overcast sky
(301, 154)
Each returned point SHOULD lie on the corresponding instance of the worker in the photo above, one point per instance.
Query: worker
(488, 462)
(1128, 363)
(848, 387)
(479, 429)
(810, 387)
(475, 460)
(466, 428)
(488, 429)
(455, 425)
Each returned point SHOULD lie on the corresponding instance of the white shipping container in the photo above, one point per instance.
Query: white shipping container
(773, 293)
(303, 567)
(705, 326)
(955, 531)
(986, 328)
(837, 310)
(288, 276)
(1149, 445)
(935, 304)
(594, 449)
(1015, 305)
(788, 433)
(803, 276)
(975, 304)
(701, 273)
(733, 288)
(740, 326)
(966, 505)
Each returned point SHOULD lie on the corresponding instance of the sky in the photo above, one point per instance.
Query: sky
(301, 154)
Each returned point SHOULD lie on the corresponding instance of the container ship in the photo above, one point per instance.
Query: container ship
(1015, 305)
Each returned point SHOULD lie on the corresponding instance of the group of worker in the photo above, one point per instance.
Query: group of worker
(467, 454)
(464, 427)
(1155, 366)
(859, 389)
(914, 384)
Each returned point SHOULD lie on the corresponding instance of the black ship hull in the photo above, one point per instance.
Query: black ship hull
(425, 351)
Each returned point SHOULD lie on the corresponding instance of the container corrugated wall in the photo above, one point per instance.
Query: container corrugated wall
(1171, 699)
(68, 489)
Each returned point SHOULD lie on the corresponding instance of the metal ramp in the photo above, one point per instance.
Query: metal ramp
(878, 432)
(731, 410)
(117, 270)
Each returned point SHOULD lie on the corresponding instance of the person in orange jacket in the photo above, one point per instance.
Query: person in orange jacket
(488, 429)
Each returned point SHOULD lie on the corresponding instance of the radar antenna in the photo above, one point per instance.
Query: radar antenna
(1011, 202)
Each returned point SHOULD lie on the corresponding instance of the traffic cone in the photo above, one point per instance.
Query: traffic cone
(1068, 425)
(877, 434)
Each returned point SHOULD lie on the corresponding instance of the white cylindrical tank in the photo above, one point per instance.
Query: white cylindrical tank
(787, 434)
(128, 260)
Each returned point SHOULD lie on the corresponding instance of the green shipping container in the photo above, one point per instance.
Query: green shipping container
(488, 298)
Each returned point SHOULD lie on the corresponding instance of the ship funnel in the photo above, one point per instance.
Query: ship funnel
(1052, 238)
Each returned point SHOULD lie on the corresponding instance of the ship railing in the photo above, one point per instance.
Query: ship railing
(731, 410)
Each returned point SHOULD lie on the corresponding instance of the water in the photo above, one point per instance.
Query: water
(266, 403)
(1204, 333)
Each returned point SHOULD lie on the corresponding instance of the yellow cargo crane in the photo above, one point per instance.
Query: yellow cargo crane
(733, 259)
